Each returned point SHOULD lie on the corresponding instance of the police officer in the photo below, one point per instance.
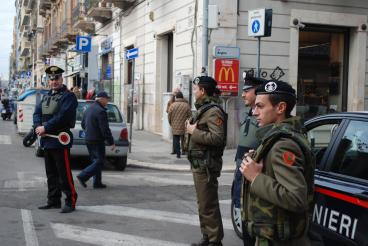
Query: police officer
(279, 193)
(55, 114)
(207, 140)
(247, 133)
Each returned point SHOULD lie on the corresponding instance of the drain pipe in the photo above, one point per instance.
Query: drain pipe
(205, 39)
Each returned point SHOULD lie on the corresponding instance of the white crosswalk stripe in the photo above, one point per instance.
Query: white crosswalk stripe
(105, 238)
(150, 214)
(5, 139)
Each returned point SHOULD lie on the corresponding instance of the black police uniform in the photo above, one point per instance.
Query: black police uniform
(57, 113)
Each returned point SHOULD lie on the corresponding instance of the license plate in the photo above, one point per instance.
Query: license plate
(82, 134)
(3, 111)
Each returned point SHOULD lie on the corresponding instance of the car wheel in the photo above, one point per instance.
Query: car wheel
(120, 163)
(236, 220)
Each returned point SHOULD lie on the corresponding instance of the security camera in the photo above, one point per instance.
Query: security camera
(298, 24)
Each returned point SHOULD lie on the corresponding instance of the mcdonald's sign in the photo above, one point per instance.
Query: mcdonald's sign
(227, 76)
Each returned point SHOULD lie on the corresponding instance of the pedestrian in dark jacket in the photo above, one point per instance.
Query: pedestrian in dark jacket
(179, 112)
(56, 113)
(97, 132)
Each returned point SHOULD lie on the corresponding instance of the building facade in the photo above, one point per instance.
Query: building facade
(318, 47)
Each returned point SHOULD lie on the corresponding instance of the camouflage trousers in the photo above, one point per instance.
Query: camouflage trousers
(208, 206)
(303, 241)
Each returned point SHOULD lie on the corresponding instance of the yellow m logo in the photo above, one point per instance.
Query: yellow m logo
(226, 71)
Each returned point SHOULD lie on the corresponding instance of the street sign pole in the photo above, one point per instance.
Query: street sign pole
(259, 58)
(131, 109)
(131, 55)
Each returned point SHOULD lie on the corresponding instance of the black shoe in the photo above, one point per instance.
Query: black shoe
(215, 244)
(173, 153)
(67, 209)
(204, 242)
(50, 206)
(99, 186)
(81, 181)
(178, 156)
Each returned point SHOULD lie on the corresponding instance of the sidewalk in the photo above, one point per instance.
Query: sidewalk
(151, 151)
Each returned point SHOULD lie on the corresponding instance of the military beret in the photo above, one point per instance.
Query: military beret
(53, 70)
(205, 80)
(275, 87)
(250, 82)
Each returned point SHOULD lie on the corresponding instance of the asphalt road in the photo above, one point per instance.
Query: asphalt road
(139, 207)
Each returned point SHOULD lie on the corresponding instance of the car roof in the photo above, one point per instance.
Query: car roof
(91, 101)
(340, 115)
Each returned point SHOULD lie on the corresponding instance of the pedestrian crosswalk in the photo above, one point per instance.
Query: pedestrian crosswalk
(106, 238)
(156, 216)
(5, 139)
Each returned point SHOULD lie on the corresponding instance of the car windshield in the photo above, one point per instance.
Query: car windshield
(113, 113)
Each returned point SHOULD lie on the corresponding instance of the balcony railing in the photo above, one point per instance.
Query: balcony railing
(98, 11)
(45, 5)
(80, 21)
(122, 4)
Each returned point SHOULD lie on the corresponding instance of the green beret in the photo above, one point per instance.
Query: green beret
(54, 70)
(275, 87)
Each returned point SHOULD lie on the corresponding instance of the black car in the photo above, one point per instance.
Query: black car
(340, 144)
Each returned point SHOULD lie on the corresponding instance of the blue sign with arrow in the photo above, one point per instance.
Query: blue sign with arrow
(131, 54)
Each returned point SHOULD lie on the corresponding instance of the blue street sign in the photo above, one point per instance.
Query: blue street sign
(83, 44)
(131, 54)
(256, 25)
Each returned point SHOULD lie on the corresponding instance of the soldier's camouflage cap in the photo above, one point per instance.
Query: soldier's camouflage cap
(205, 80)
(275, 87)
(53, 70)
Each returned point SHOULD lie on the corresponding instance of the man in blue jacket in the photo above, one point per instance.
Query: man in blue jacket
(55, 114)
(97, 132)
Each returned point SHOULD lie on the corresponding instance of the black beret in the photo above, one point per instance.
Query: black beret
(54, 70)
(205, 80)
(250, 82)
(275, 87)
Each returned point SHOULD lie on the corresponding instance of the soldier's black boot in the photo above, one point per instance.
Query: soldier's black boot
(215, 244)
(204, 242)
(50, 206)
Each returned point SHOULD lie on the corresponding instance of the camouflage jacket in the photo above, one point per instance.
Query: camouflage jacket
(206, 143)
(276, 204)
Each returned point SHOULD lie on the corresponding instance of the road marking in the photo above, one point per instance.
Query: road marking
(29, 230)
(227, 202)
(105, 238)
(5, 139)
(150, 214)
(25, 182)
(163, 181)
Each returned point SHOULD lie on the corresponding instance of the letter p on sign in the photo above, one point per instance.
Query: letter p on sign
(83, 44)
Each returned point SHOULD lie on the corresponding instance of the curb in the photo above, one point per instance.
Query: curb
(167, 167)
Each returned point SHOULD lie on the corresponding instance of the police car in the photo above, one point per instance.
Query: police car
(340, 143)
(340, 212)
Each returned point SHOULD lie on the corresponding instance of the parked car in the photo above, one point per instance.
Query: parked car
(118, 157)
(340, 144)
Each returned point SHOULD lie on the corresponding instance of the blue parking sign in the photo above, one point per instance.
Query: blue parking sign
(83, 44)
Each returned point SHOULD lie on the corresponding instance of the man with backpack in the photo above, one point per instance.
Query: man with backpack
(206, 142)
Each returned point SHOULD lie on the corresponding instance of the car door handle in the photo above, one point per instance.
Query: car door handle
(363, 195)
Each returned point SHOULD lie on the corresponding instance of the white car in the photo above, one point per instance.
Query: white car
(119, 131)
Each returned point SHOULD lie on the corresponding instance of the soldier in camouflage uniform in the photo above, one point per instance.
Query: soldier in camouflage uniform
(206, 142)
(278, 192)
(247, 133)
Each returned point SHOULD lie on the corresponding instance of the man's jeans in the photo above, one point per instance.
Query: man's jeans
(97, 155)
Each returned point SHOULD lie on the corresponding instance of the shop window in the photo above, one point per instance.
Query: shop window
(322, 71)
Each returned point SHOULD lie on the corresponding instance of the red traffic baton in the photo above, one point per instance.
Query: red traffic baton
(63, 137)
